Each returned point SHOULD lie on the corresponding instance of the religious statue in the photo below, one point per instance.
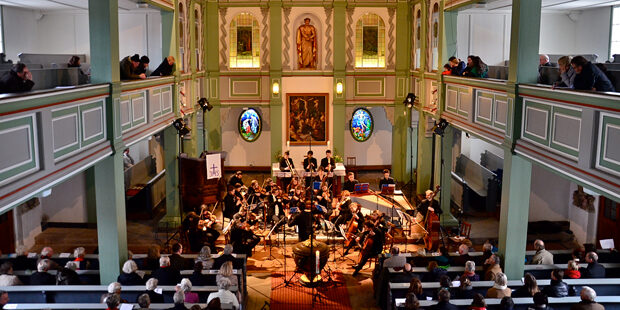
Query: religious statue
(306, 45)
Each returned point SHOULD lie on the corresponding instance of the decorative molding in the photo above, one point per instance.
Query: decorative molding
(390, 61)
(350, 44)
(328, 38)
(286, 63)
(265, 36)
(223, 42)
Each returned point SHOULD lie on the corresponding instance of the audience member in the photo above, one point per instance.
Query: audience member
(588, 76)
(186, 287)
(463, 256)
(492, 267)
(543, 62)
(165, 274)
(542, 256)
(411, 302)
(75, 62)
(396, 260)
(226, 271)
(506, 303)
(197, 278)
(21, 260)
(475, 67)
(415, 287)
(152, 257)
(458, 66)
(594, 269)
(6, 275)
(478, 303)
(144, 301)
(579, 253)
(165, 68)
(447, 69)
(42, 277)
(444, 285)
(48, 252)
(587, 300)
(4, 299)
(444, 257)
(500, 287)
(129, 276)
(465, 290)
(572, 270)
(179, 301)
(529, 288)
(214, 304)
(470, 271)
(204, 257)
(434, 272)
(541, 302)
(80, 262)
(112, 301)
(144, 65)
(67, 275)
(16, 80)
(487, 250)
(129, 66)
(557, 287)
(151, 286)
(567, 73)
(177, 261)
(225, 257)
(225, 296)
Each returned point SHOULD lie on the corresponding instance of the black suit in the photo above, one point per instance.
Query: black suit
(350, 185)
(442, 305)
(303, 220)
(178, 262)
(42, 278)
(425, 204)
(219, 261)
(11, 83)
(230, 205)
(325, 162)
(389, 180)
(167, 276)
(285, 167)
(130, 279)
(234, 180)
(594, 270)
(155, 298)
(310, 165)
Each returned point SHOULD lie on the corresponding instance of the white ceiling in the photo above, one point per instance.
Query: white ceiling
(55, 5)
(549, 5)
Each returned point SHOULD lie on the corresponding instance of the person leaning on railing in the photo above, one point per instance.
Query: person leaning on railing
(16, 80)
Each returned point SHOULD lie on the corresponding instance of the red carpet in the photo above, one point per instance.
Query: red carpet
(296, 296)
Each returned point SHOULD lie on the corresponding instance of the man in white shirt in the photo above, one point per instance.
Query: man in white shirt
(225, 296)
(396, 260)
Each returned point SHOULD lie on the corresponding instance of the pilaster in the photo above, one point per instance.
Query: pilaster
(275, 76)
(447, 219)
(171, 164)
(213, 126)
(340, 66)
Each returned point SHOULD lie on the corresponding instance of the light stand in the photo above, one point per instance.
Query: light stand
(206, 106)
(182, 130)
(408, 102)
(439, 130)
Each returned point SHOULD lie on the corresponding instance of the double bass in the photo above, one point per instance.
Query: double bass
(432, 226)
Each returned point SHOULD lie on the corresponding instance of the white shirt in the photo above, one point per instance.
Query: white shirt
(226, 297)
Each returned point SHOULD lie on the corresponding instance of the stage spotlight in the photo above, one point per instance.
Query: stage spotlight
(181, 127)
(440, 127)
(408, 102)
(204, 104)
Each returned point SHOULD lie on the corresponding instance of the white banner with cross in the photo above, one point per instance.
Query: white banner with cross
(214, 166)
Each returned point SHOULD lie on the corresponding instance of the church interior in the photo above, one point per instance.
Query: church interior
(309, 154)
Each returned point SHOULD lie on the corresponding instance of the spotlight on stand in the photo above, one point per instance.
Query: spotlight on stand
(204, 104)
(408, 102)
(181, 127)
(440, 127)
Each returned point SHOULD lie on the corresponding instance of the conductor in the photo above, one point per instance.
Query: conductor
(303, 220)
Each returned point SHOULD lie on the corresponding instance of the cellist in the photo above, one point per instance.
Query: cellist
(429, 204)
(373, 239)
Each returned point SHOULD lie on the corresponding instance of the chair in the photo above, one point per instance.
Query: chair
(465, 229)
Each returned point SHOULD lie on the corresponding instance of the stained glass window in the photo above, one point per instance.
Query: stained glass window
(250, 125)
(244, 42)
(370, 42)
(361, 125)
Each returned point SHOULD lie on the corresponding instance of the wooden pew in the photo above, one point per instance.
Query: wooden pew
(610, 303)
(94, 306)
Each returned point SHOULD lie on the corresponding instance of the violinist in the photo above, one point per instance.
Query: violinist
(297, 200)
(321, 176)
(255, 193)
(372, 240)
(349, 184)
(309, 166)
(242, 237)
(236, 179)
(292, 186)
(429, 204)
(324, 197)
(195, 235)
(286, 165)
(209, 225)
(343, 210)
(268, 185)
(275, 210)
(231, 203)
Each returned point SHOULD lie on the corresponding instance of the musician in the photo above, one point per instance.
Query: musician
(195, 235)
(286, 165)
(328, 163)
(303, 220)
(386, 179)
(292, 186)
(254, 194)
(349, 184)
(242, 238)
(209, 225)
(236, 179)
(356, 215)
(372, 240)
(324, 196)
(429, 204)
(269, 185)
(309, 166)
(231, 203)
(275, 210)
(344, 209)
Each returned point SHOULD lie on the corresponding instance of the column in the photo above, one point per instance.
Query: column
(447, 219)
(107, 176)
(340, 69)
(212, 78)
(424, 149)
(514, 213)
(275, 76)
(171, 164)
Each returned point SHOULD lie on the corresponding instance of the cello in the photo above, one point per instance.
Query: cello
(352, 228)
(432, 226)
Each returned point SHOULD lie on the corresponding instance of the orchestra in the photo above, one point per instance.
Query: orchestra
(265, 207)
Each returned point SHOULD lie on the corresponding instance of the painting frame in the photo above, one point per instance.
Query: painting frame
(296, 136)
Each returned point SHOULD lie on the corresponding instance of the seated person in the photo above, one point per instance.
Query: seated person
(197, 278)
(594, 269)
(6, 275)
(128, 275)
(165, 274)
(16, 80)
(186, 287)
(179, 301)
(434, 272)
(542, 256)
(395, 260)
(465, 290)
(463, 256)
(415, 287)
(589, 77)
(529, 288)
(470, 271)
(129, 67)
(587, 302)
(225, 257)
(386, 179)
(567, 73)
(79, 261)
(165, 68)
(557, 287)
(349, 184)
(447, 69)
(144, 301)
(155, 297)
(500, 288)
(42, 277)
(75, 62)
(226, 271)
(67, 275)
(572, 270)
(492, 268)
(444, 301)
(444, 285)
(112, 301)
(458, 66)
(225, 296)
(541, 302)
(475, 67)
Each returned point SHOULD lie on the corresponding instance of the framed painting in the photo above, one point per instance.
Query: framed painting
(307, 118)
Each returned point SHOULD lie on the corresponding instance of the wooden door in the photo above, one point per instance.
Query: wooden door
(608, 220)
(7, 231)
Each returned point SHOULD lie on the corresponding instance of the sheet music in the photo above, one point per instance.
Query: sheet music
(227, 228)
(607, 244)
(126, 307)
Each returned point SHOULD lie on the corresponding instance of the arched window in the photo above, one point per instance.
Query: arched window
(417, 42)
(370, 42)
(435, 37)
(198, 37)
(244, 42)
(182, 36)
